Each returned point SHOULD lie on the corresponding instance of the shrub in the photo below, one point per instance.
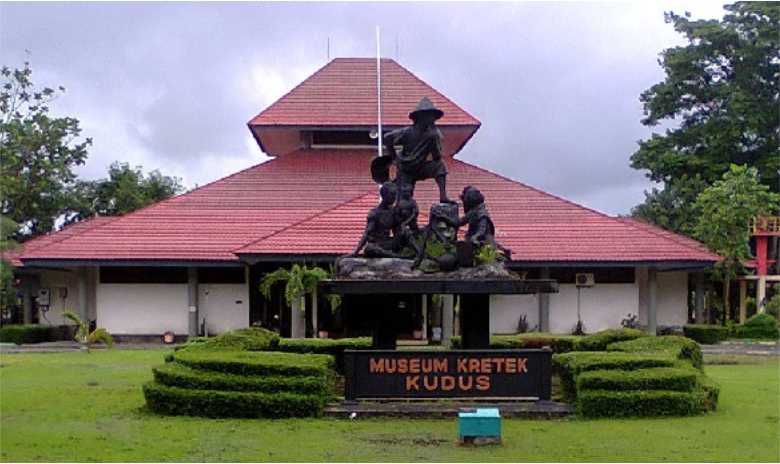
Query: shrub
(248, 339)
(773, 306)
(600, 340)
(214, 403)
(178, 375)
(758, 326)
(257, 363)
(654, 378)
(333, 347)
(605, 403)
(28, 333)
(558, 343)
(676, 346)
(706, 334)
(711, 391)
(570, 365)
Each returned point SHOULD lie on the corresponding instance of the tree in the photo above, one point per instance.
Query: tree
(126, 189)
(724, 210)
(37, 153)
(723, 90)
(86, 337)
(8, 229)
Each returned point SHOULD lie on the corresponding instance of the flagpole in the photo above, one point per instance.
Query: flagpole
(378, 96)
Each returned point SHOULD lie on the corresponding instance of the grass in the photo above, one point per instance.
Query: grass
(89, 407)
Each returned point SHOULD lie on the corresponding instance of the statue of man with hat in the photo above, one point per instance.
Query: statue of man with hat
(420, 154)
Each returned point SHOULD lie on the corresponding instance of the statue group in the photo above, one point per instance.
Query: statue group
(391, 228)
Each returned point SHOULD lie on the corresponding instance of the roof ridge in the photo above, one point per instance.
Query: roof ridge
(267, 108)
(304, 220)
(479, 123)
(600, 213)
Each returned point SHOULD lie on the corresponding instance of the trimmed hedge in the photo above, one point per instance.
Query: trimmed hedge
(758, 326)
(676, 346)
(600, 340)
(177, 375)
(654, 378)
(711, 391)
(331, 346)
(214, 403)
(248, 339)
(605, 403)
(570, 365)
(557, 343)
(28, 333)
(257, 363)
(706, 334)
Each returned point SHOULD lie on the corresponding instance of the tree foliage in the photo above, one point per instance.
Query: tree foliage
(8, 229)
(86, 337)
(724, 210)
(300, 281)
(126, 189)
(721, 92)
(37, 153)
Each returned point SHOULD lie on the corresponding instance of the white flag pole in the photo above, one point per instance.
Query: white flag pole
(378, 96)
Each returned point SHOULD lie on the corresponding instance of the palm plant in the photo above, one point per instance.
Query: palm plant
(83, 334)
(301, 281)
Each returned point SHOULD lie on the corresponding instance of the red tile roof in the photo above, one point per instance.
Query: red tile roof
(537, 226)
(343, 93)
(47, 239)
(315, 202)
(210, 222)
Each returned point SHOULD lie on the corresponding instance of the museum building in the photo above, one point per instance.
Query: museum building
(201, 255)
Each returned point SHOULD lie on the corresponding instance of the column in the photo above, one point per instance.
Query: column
(314, 316)
(642, 300)
(27, 301)
(192, 302)
(475, 320)
(742, 301)
(699, 298)
(298, 318)
(447, 315)
(544, 304)
(652, 300)
(82, 278)
(761, 294)
(424, 307)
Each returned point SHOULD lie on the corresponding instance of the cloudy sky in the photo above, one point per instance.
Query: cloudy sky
(171, 86)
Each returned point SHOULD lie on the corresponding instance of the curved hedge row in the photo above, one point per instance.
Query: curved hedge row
(217, 403)
(605, 403)
(234, 375)
(674, 345)
(570, 365)
(654, 378)
(256, 363)
(178, 375)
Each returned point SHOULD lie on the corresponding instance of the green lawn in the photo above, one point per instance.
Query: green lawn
(89, 407)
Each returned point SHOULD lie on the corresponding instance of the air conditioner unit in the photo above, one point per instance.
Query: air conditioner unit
(584, 279)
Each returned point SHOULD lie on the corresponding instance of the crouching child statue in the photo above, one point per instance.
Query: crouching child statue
(439, 251)
(481, 233)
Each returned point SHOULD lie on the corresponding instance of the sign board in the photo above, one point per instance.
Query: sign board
(486, 374)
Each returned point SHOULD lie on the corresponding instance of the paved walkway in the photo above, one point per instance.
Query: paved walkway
(743, 348)
(65, 346)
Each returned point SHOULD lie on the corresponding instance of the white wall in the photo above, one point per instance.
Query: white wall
(224, 306)
(603, 306)
(64, 295)
(506, 310)
(672, 302)
(142, 309)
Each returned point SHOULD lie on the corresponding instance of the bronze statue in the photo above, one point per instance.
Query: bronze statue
(381, 221)
(418, 142)
(481, 230)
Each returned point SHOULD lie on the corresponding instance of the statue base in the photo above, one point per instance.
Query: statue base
(398, 268)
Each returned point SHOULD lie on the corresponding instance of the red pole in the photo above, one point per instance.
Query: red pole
(762, 254)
